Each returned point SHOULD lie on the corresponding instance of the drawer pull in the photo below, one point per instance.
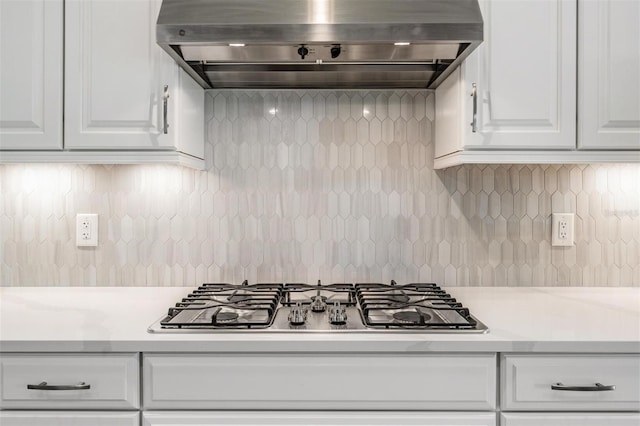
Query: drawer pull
(599, 387)
(45, 386)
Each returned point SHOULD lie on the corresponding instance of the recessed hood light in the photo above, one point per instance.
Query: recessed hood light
(236, 45)
(401, 43)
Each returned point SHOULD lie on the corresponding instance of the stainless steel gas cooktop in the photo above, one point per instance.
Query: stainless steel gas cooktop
(295, 307)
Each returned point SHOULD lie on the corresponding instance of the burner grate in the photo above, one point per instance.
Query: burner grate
(415, 305)
(344, 293)
(226, 306)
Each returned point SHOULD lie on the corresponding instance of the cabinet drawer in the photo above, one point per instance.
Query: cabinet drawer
(570, 419)
(309, 418)
(113, 381)
(304, 381)
(68, 418)
(527, 379)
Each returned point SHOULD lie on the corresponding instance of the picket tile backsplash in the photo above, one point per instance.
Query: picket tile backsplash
(308, 185)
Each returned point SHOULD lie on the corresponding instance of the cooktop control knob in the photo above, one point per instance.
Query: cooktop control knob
(298, 315)
(335, 51)
(337, 314)
(303, 51)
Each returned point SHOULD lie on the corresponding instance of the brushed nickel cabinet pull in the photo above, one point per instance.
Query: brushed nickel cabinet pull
(474, 95)
(45, 386)
(598, 387)
(165, 104)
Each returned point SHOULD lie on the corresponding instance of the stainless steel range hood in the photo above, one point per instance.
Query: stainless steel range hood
(319, 43)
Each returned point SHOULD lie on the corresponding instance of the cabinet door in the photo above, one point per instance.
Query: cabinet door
(115, 76)
(69, 418)
(177, 418)
(31, 74)
(525, 73)
(570, 419)
(609, 75)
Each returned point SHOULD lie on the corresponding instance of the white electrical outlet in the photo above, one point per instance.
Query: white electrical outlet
(86, 230)
(562, 229)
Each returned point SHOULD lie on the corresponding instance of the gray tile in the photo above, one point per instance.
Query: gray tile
(306, 185)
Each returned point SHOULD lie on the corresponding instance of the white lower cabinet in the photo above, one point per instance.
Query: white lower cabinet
(177, 418)
(570, 390)
(570, 382)
(69, 418)
(570, 419)
(69, 381)
(364, 381)
(329, 389)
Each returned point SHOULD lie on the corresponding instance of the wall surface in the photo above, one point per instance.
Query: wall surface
(311, 185)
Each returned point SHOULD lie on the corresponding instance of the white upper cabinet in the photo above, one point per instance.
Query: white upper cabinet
(31, 74)
(125, 99)
(114, 76)
(121, 88)
(524, 78)
(609, 74)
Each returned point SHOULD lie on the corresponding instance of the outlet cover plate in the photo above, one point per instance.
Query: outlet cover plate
(87, 230)
(562, 229)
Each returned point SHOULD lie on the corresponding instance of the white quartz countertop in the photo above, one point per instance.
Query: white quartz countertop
(532, 319)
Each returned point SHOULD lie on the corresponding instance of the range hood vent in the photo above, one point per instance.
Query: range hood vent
(319, 43)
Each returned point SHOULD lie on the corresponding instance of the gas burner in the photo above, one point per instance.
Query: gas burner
(226, 317)
(410, 317)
